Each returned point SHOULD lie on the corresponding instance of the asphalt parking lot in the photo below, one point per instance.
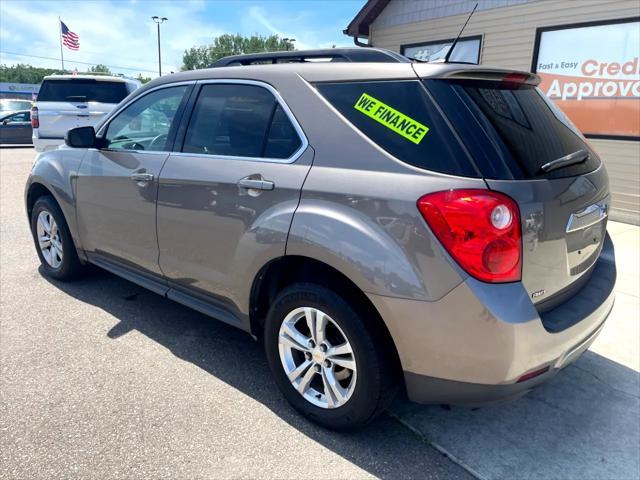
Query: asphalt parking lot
(103, 379)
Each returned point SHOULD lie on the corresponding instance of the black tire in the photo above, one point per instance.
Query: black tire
(70, 267)
(376, 382)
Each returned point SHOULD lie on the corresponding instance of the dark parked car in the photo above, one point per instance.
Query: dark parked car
(15, 127)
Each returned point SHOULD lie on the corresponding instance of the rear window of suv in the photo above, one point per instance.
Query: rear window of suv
(82, 90)
(400, 117)
(525, 130)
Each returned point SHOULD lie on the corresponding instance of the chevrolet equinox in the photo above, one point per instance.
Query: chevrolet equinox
(433, 227)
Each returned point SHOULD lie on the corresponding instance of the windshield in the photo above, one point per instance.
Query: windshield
(12, 105)
(82, 90)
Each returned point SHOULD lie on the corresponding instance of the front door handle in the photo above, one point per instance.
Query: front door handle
(256, 184)
(142, 177)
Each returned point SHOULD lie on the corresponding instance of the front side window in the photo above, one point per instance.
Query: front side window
(240, 121)
(18, 117)
(145, 124)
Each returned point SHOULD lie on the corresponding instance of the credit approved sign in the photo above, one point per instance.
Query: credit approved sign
(593, 74)
(391, 118)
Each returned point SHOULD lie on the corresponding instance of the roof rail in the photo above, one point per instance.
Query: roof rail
(377, 55)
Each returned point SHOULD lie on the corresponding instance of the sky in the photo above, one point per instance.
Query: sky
(120, 33)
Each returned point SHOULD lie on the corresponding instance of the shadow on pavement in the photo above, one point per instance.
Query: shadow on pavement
(583, 424)
(384, 449)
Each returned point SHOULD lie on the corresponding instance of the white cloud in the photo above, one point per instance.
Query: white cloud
(303, 26)
(121, 34)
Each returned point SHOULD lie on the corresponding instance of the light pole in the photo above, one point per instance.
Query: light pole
(158, 21)
(289, 42)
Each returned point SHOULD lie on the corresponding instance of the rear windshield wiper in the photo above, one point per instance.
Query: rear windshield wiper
(571, 159)
(76, 98)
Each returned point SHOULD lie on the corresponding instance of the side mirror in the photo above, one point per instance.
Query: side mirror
(81, 137)
(5, 122)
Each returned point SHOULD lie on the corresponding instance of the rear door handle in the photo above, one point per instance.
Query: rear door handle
(256, 184)
(142, 177)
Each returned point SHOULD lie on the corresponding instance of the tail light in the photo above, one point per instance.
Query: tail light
(35, 121)
(480, 229)
(534, 374)
(515, 78)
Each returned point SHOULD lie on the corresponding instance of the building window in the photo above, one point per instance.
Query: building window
(467, 50)
(592, 71)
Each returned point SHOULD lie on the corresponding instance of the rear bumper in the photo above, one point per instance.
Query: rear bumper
(43, 144)
(472, 346)
(424, 389)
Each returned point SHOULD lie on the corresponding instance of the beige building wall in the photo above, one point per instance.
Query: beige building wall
(508, 41)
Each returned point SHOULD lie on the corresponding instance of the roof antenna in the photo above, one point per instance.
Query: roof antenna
(455, 42)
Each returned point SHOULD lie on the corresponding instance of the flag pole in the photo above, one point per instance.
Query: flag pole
(60, 38)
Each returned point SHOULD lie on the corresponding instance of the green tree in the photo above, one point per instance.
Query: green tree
(142, 79)
(204, 55)
(100, 68)
(23, 73)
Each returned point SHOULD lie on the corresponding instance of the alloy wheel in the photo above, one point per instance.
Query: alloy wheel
(317, 357)
(49, 239)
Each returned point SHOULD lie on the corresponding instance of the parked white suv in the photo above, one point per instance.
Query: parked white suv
(69, 101)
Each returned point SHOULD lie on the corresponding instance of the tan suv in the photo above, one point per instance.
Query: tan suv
(434, 227)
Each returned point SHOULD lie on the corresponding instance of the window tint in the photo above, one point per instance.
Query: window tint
(82, 90)
(396, 115)
(531, 128)
(282, 140)
(240, 121)
(145, 124)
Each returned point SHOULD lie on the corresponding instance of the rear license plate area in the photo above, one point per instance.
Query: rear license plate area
(585, 234)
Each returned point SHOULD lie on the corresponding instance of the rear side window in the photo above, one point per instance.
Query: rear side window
(82, 90)
(400, 117)
(240, 121)
(18, 117)
(282, 140)
(528, 126)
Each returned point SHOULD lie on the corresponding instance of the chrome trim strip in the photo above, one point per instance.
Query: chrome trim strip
(602, 210)
(292, 159)
(117, 150)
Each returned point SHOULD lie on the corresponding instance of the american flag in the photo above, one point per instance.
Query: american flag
(69, 39)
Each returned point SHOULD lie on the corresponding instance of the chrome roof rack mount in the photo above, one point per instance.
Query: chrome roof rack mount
(376, 55)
